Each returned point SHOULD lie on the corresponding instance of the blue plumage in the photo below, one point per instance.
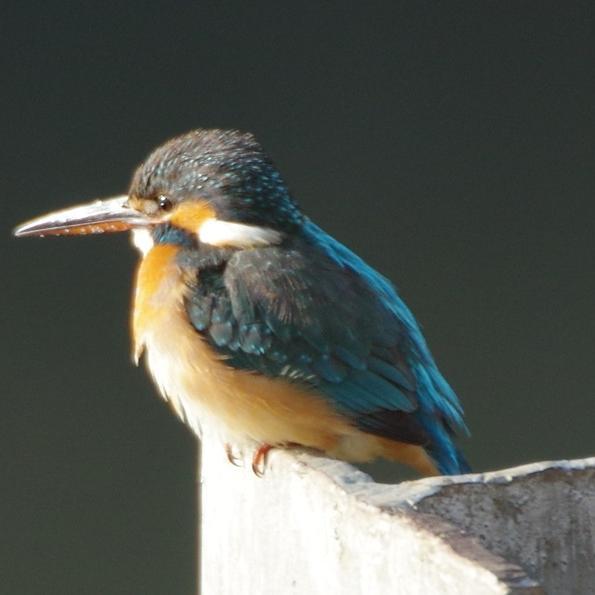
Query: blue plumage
(311, 311)
(275, 295)
(306, 309)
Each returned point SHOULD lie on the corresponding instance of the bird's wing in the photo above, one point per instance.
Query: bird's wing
(315, 313)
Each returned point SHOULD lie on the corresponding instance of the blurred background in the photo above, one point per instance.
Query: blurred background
(451, 144)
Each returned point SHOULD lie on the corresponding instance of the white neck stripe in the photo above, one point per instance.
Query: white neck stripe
(236, 235)
(217, 233)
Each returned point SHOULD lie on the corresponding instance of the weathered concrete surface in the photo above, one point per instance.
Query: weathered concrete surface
(318, 526)
(541, 516)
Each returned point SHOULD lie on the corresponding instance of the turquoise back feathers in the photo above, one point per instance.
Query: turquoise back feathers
(310, 311)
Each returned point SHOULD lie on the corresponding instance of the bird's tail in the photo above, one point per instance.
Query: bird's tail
(441, 416)
(453, 464)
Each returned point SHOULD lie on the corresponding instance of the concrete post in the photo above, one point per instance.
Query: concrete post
(317, 526)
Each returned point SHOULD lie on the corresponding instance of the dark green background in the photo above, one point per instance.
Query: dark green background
(451, 144)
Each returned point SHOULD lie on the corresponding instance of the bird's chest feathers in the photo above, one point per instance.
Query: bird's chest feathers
(196, 381)
(175, 354)
(187, 371)
(158, 294)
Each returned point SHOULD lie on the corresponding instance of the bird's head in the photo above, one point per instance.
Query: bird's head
(217, 187)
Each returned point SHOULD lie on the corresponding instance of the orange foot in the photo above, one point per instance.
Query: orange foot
(259, 459)
(234, 459)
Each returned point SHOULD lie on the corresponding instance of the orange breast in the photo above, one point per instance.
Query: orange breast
(241, 406)
(159, 287)
(195, 379)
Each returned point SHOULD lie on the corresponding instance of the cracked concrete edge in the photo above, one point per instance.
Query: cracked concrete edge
(400, 501)
(417, 491)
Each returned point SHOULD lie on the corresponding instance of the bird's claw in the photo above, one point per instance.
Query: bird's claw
(259, 460)
(232, 457)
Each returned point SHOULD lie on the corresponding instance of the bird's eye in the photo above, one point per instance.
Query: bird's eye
(164, 203)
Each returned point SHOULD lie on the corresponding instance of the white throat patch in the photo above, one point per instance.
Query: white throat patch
(142, 239)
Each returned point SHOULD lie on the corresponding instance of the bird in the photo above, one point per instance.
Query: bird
(258, 325)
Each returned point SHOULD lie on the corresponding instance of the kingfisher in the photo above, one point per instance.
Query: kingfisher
(257, 324)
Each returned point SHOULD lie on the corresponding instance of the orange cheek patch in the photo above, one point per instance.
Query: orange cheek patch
(191, 215)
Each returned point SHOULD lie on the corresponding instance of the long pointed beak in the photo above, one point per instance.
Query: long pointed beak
(100, 216)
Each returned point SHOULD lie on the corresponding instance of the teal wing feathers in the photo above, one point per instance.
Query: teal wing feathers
(313, 312)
